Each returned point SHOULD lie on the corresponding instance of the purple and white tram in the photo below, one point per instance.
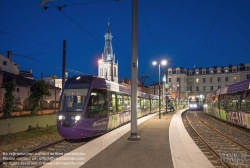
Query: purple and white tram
(91, 106)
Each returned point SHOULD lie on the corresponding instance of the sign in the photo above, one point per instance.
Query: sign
(166, 85)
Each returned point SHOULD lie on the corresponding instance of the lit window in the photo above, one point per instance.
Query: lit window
(211, 71)
(190, 80)
(197, 72)
(234, 78)
(197, 80)
(226, 70)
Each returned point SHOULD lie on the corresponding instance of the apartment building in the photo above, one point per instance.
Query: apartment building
(200, 81)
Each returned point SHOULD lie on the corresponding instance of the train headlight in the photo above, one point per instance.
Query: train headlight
(61, 117)
(77, 117)
(191, 105)
(195, 105)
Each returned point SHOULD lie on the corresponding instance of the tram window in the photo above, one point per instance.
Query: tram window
(113, 103)
(73, 100)
(148, 103)
(138, 104)
(119, 103)
(96, 104)
(127, 103)
(142, 103)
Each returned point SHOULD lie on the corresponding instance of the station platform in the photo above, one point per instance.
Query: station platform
(164, 143)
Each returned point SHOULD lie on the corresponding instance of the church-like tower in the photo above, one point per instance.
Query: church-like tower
(107, 68)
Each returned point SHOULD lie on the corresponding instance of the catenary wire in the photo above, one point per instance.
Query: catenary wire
(29, 39)
(208, 34)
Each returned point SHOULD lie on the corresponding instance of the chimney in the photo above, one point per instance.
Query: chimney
(10, 55)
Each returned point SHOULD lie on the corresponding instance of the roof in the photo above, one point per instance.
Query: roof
(20, 80)
(240, 86)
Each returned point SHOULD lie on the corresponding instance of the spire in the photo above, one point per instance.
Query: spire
(108, 50)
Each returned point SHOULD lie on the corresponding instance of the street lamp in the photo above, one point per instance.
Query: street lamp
(163, 62)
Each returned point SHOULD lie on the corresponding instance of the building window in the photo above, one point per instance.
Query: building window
(197, 80)
(211, 72)
(197, 72)
(248, 76)
(234, 78)
(197, 88)
(211, 88)
(218, 71)
(247, 68)
(226, 70)
(211, 79)
(226, 79)
(178, 79)
(177, 71)
(219, 80)
(234, 70)
(190, 81)
(17, 90)
(169, 79)
(5, 63)
(169, 72)
(190, 88)
(203, 72)
(204, 80)
(219, 86)
(204, 88)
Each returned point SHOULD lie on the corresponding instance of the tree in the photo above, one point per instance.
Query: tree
(8, 98)
(37, 91)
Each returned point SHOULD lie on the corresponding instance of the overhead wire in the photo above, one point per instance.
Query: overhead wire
(208, 34)
(147, 25)
(29, 39)
(30, 57)
(78, 25)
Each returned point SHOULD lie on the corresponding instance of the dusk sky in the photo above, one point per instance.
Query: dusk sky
(216, 32)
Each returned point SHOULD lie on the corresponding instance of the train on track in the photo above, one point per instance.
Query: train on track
(90, 106)
(231, 103)
(194, 104)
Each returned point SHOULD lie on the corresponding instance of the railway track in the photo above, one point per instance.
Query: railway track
(222, 150)
(41, 155)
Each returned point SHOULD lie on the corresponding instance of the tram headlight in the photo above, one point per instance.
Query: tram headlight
(77, 117)
(195, 105)
(191, 105)
(61, 117)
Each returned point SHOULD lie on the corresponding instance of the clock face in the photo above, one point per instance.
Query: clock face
(166, 85)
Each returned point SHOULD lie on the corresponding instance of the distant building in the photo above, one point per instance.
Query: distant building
(54, 80)
(197, 82)
(6, 64)
(26, 74)
(22, 90)
(107, 68)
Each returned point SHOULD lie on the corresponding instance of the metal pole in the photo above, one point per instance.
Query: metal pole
(166, 91)
(63, 63)
(159, 92)
(134, 73)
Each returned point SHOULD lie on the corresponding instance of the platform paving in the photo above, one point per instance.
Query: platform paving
(164, 143)
(153, 151)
